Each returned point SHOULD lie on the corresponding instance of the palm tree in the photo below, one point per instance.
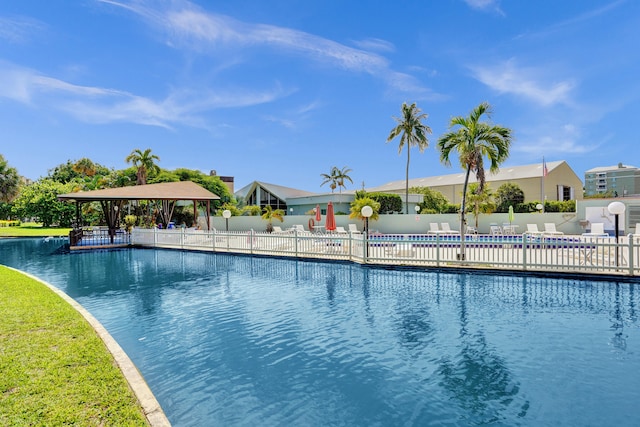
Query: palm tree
(331, 178)
(480, 201)
(144, 161)
(359, 203)
(413, 132)
(270, 214)
(473, 140)
(9, 181)
(336, 178)
(342, 176)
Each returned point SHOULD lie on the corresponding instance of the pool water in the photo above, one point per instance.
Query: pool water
(240, 341)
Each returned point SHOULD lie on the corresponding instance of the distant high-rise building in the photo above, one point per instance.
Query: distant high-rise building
(617, 181)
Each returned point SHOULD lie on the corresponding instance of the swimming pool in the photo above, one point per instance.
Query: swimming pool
(235, 341)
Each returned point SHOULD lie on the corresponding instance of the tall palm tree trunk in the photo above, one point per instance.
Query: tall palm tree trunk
(406, 182)
(463, 208)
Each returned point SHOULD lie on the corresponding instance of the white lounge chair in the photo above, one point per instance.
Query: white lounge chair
(637, 232)
(495, 230)
(278, 230)
(533, 230)
(597, 230)
(433, 228)
(550, 229)
(340, 230)
(446, 228)
(354, 229)
(299, 228)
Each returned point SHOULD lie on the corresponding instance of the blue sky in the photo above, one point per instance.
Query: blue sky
(281, 91)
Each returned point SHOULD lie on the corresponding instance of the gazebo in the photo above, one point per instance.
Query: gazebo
(168, 193)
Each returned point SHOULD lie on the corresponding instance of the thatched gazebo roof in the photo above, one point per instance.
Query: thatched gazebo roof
(168, 193)
(183, 190)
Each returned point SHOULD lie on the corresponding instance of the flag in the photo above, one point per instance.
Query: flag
(545, 171)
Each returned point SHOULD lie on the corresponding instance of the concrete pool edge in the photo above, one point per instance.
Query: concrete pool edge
(152, 410)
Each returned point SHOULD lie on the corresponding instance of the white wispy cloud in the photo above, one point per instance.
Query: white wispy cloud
(194, 26)
(527, 82)
(555, 140)
(493, 5)
(189, 27)
(579, 19)
(19, 29)
(373, 44)
(105, 105)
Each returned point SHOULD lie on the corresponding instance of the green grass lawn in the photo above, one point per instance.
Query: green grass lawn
(54, 369)
(33, 230)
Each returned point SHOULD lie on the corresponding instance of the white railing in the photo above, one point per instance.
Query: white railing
(520, 252)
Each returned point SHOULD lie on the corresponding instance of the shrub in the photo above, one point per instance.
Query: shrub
(389, 202)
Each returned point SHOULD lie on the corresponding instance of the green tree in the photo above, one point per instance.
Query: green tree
(233, 209)
(9, 181)
(473, 140)
(389, 202)
(251, 210)
(212, 183)
(508, 194)
(85, 167)
(479, 201)
(164, 176)
(433, 201)
(144, 161)
(40, 201)
(412, 132)
(81, 171)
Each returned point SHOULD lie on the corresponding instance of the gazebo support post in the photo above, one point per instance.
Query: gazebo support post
(195, 213)
(207, 215)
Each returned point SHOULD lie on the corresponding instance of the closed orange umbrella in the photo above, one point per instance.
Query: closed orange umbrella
(331, 218)
(318, 214)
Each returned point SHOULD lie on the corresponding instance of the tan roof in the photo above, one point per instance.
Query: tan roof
(506, 173)
(183, 190)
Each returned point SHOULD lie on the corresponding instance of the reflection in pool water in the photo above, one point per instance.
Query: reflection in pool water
(232, 340)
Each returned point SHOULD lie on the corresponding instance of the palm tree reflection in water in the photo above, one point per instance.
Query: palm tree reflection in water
(479, 379)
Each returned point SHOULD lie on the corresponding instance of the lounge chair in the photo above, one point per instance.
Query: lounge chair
(340, 230)
(509, 228)
(495, 230)
(278, 230)
(637, 232)
(597, 230)
(434, 228)
(533, 230)
(354, 229)
(550, 229)
(446, 228)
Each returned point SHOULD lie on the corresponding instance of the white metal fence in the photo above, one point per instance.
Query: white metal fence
(525, 252)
